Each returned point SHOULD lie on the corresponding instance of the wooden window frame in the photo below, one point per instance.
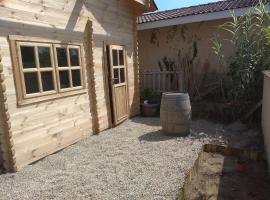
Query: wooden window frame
(118, 67)
(68, 68)
(25, 99)
(37, 70)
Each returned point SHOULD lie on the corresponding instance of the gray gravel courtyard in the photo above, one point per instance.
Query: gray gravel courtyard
(132, 161)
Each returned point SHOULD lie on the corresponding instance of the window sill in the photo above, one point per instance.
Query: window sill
(39, 99)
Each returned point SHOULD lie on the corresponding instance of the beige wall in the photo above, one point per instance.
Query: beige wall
(266, 114)
(1, 159)
(2, 132)
(42, 128)
(178, 42)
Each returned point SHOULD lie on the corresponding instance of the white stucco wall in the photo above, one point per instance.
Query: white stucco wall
(266, 114)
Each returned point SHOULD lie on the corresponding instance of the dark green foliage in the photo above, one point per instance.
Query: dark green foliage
(151, 96)
(251, 41)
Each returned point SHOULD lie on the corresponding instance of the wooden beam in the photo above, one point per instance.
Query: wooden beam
(91, 78)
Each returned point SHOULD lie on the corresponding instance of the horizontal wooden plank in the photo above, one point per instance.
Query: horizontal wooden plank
(43, 128)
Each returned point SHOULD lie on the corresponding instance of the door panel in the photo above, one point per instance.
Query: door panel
(118, 83)
(120, 101)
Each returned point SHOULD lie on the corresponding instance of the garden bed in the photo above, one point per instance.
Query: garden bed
(227, 173)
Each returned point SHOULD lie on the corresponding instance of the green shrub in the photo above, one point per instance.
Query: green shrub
(250, 37)
(153, 97)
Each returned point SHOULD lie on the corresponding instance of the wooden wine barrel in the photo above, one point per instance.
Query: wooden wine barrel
(175, 114)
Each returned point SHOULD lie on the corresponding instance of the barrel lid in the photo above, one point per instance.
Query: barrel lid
(175, 95)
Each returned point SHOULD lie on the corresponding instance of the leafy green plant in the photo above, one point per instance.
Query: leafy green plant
(250, 37)
(153, 97)
(217, 49)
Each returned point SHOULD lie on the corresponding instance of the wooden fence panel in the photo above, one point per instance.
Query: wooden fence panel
(161, 81)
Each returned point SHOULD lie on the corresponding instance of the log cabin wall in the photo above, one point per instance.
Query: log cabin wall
(39, 129)
(7, 154)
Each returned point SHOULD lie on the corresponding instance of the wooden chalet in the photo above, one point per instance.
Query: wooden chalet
(68, 69)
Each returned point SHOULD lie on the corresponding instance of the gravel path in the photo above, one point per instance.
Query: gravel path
(131, 161)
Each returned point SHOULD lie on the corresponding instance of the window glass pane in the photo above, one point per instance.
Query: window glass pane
(62, 57)
(122, 75)
(28, 57)
(47, 81)
(121, 57)
(115, 57)
(76, 78)
(74, 57)
(64, 79)
(44, 56)
(31, 83)
(116, 76)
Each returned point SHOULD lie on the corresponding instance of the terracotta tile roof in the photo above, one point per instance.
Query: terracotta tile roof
(195, 10)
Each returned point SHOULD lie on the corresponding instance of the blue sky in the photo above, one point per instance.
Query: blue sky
(171, 4)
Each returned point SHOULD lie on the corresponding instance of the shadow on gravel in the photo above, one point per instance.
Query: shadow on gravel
(150, 121)
(235, 135)
(155, 136)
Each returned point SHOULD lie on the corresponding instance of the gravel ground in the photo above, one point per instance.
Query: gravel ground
(132, 161)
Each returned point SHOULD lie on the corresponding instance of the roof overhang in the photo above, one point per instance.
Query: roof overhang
(149, 5)
(153, 6)
(196, 18)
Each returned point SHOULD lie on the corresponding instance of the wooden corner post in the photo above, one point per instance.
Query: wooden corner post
(7, 146)
(90, 71)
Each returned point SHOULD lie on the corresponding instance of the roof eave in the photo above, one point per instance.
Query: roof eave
(148, 5)
(154, 6)
(194, 18)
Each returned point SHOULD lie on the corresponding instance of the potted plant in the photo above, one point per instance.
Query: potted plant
(150, 103)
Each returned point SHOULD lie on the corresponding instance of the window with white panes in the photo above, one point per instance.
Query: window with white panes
(118, 66)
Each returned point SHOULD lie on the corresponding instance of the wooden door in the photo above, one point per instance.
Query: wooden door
(118, 83)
